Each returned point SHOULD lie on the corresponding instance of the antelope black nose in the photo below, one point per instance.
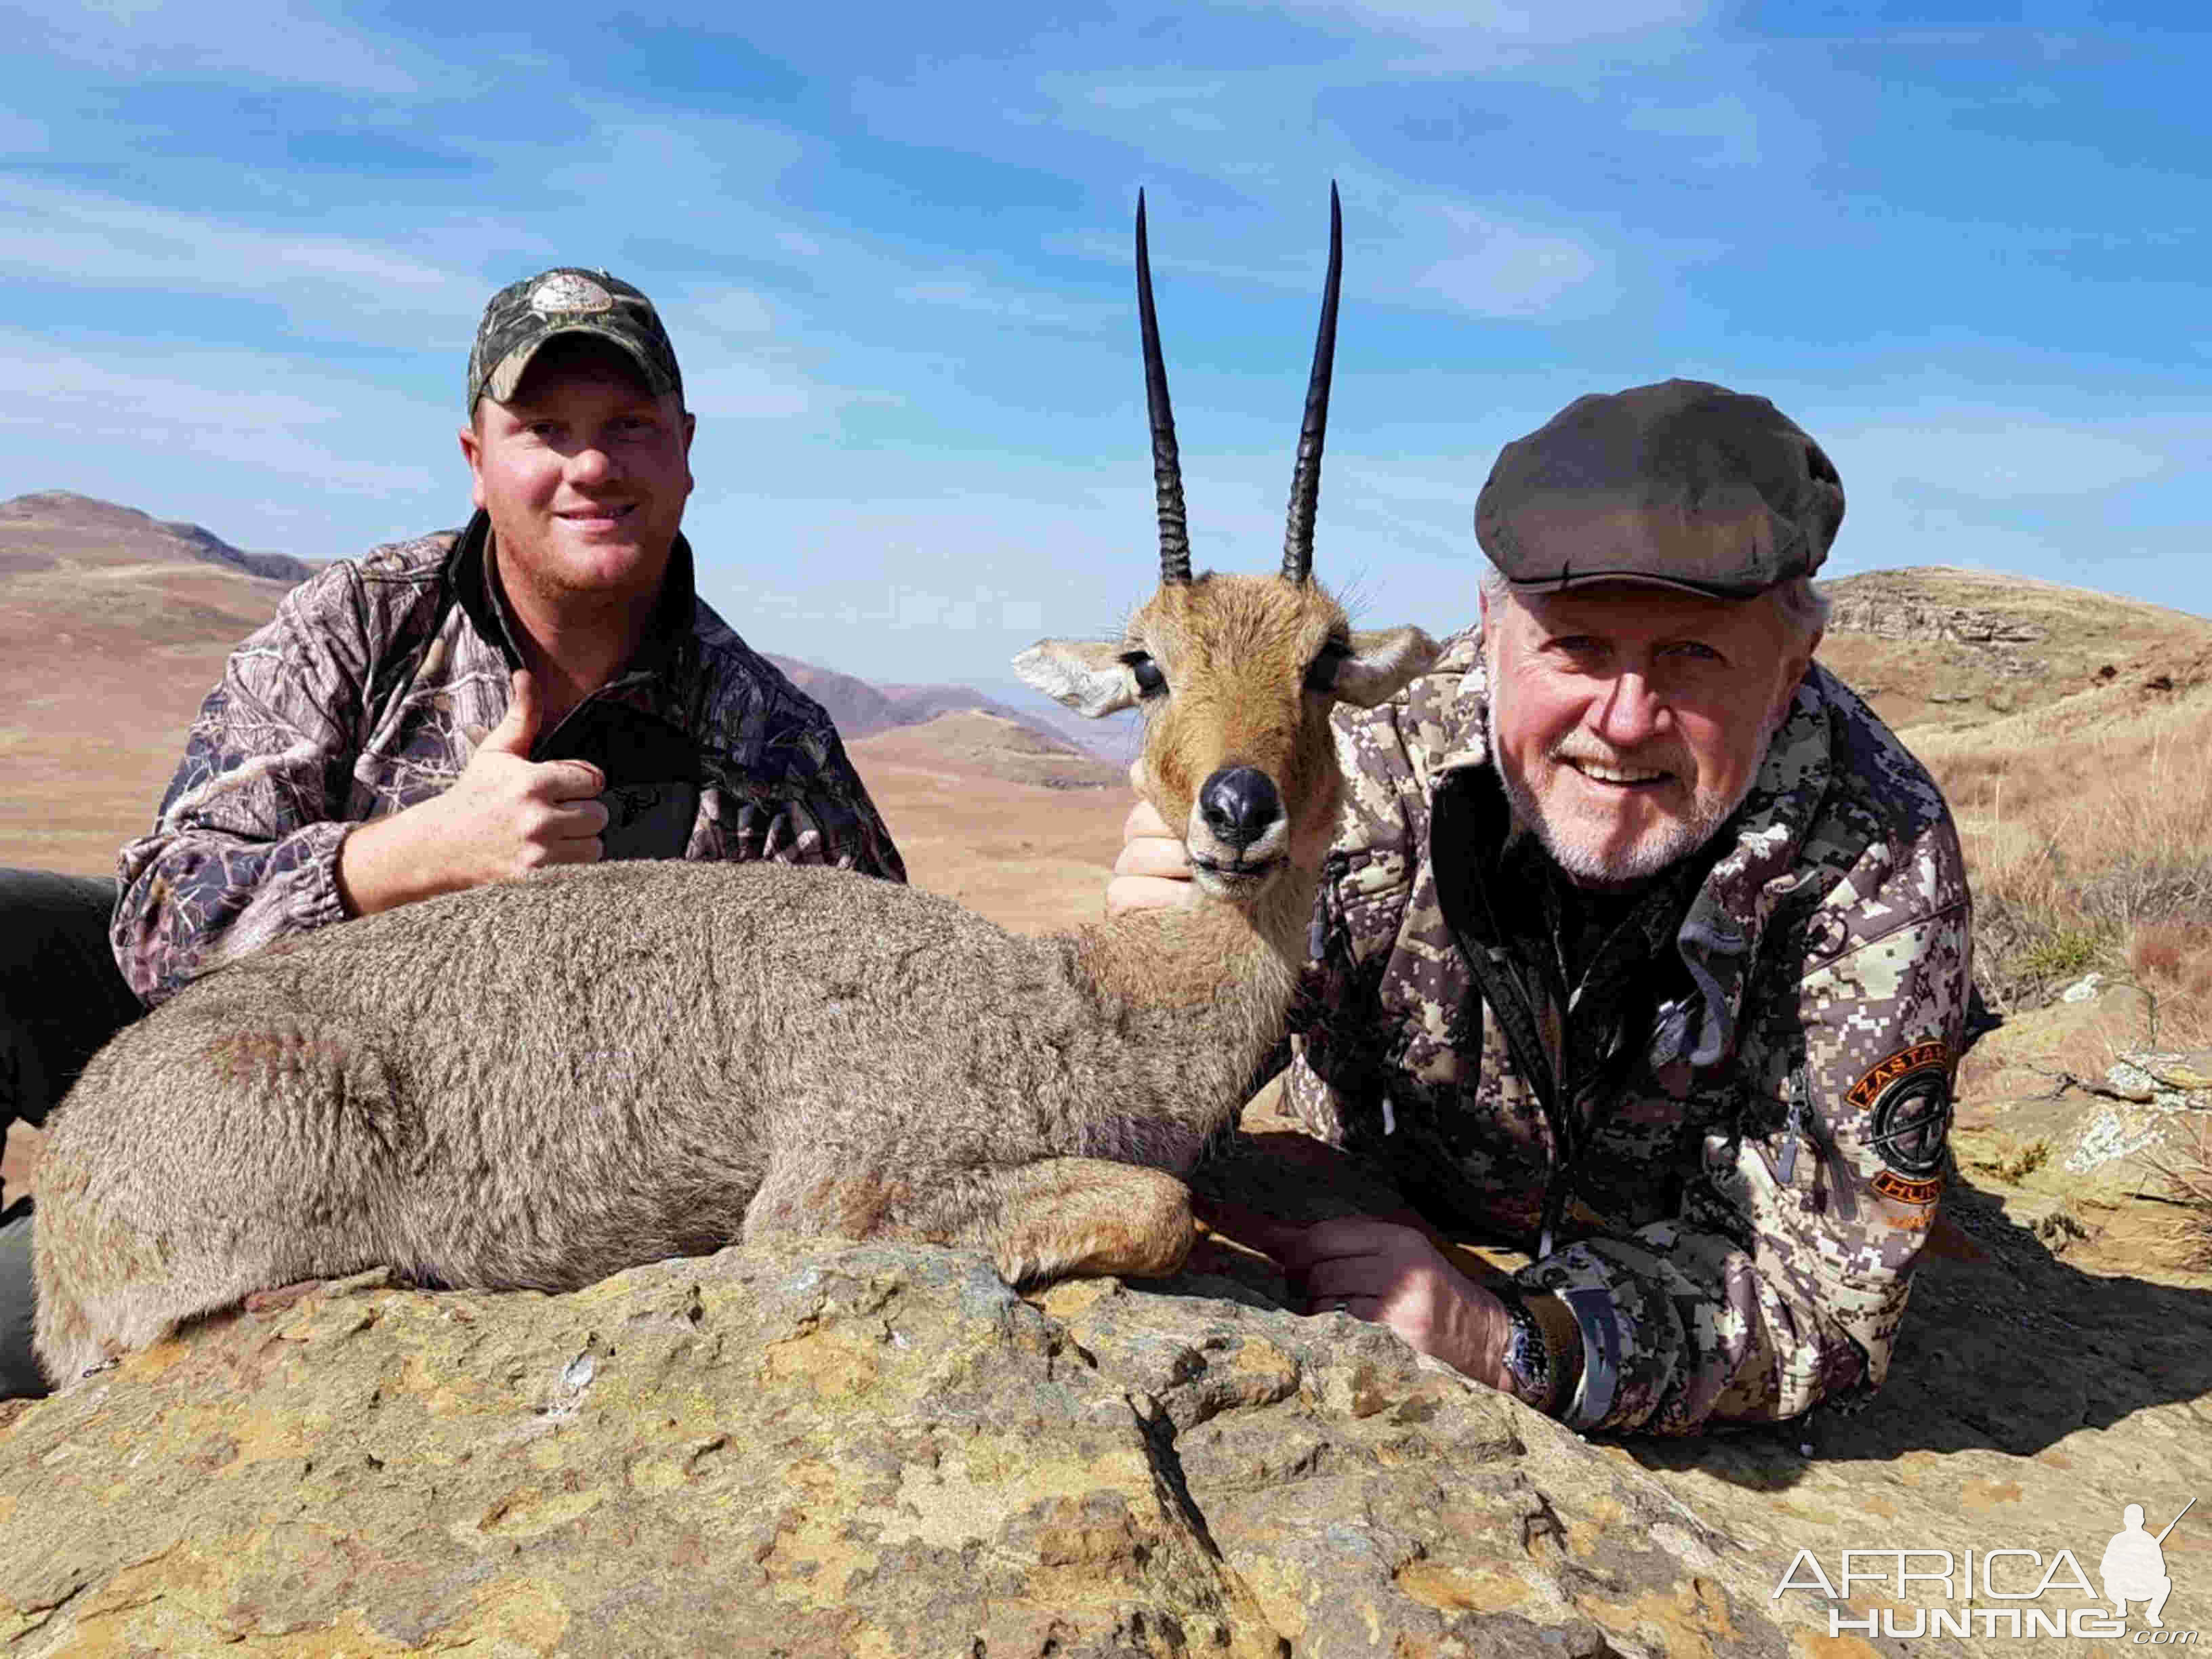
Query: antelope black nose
(1239, 804)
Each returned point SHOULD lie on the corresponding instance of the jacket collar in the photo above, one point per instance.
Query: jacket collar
(669, 643)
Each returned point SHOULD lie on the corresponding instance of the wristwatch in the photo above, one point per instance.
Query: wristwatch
(1543, 1348)
(1528, 1358)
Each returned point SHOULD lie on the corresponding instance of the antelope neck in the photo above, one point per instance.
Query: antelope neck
(1188, 958)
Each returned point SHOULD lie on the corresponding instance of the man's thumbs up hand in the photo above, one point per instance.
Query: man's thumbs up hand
(516, 734)
(505, 816)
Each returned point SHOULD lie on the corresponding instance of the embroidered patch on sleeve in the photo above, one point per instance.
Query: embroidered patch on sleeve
(1909, 1095)
(1890, 1184)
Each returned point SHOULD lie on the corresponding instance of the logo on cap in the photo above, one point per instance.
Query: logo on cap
(566, 291)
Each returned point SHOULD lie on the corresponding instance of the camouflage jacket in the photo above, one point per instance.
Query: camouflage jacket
(369, 693)
(1738, 1116)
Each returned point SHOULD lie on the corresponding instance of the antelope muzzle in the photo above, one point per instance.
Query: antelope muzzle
(1238, 830)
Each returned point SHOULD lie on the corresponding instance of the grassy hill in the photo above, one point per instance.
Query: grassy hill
(113, 625)
(1936, 648)
(2069, 731)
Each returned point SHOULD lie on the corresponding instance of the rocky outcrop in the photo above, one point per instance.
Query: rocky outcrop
(841, 1449)
(1902, 617)
(1994, 639)
(835, 1451)
(1941, 646)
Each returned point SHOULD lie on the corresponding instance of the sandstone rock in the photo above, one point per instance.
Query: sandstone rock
(1900, 617)
(870, 1449)
(856, 1449)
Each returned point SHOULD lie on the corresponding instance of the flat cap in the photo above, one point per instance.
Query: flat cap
(566, 300)
(1685, 483)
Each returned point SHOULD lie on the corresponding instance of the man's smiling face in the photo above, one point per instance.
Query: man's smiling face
(1628, 720)
(584, 473)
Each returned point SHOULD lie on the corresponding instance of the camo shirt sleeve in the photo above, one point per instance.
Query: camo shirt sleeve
(813, 810)
(1783, 1278)
(245, 848)
(779, 784)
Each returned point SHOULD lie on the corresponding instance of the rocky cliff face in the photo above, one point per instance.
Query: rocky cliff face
(1890, 611)
(1904, 617)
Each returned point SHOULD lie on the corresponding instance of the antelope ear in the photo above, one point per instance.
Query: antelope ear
(1087, 675)
(1382, 661)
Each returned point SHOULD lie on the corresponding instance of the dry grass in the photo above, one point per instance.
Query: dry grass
(2087, 828)
(2187, 1167)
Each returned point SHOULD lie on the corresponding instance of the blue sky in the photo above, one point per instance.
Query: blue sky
(1966, 247)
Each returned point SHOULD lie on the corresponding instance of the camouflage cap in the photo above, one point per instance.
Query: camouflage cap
(1685, 484)
(566, 299)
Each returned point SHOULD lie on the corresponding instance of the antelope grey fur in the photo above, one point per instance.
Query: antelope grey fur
(536, 1085)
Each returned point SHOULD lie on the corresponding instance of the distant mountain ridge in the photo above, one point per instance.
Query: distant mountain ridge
(862, 708)
(1932, 647)
(52, 537)
(977, 740)
(64, 513)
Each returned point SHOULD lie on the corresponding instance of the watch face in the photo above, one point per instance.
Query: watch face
(1526, 1358)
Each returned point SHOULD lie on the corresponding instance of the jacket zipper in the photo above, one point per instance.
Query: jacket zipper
(1803, 1120)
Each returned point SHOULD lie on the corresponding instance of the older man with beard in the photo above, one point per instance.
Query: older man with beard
(1643, 947)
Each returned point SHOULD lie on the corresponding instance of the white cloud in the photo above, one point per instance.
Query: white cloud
(53, 235)
(1491, 36)
(1016, 307)
(713, 169)
(2100, 503)
(1186, 107)
(265, 38)
(1727, 127)
(724, 385)
(1501, 269)
(132, 412)
(1551, 24)
(1997, 457)
(21, 136)
(733, 311)
(1429, 250)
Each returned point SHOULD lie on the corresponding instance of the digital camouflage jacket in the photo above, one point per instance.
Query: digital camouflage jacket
(1737, 1114)
(370, 691)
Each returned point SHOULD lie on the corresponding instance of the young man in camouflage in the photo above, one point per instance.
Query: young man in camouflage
(1645, 947)
(542, 687)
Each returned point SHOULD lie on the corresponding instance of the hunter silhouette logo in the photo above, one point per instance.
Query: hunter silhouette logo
(2003, 1591)
(2134, 1567)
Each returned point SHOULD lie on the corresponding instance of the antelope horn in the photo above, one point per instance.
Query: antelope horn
(1305, 478)
(1167, 465)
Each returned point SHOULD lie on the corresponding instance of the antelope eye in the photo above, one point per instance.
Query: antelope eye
(1321, 673)
(1150, 681)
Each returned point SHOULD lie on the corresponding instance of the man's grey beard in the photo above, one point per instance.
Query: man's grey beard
(1593, 868)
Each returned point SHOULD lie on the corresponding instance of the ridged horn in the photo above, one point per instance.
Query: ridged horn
(1305, 477)
(1167, 464)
